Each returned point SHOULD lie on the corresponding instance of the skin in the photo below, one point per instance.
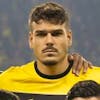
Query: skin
(50, 43)
(79, 64)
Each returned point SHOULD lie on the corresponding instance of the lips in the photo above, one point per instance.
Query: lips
(49, 50)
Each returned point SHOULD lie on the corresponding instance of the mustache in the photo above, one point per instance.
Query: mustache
(49, 48)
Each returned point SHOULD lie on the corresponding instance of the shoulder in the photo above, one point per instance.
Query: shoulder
(96, 68)
(17, 69)
(93, 74)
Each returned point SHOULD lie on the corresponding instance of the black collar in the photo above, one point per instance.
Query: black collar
(53, 76)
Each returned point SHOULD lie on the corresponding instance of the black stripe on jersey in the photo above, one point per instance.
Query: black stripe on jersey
(26, 96)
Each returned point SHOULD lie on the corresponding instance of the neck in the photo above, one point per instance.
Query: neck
(56, 69)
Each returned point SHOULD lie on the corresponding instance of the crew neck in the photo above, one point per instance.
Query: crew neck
(53, 76)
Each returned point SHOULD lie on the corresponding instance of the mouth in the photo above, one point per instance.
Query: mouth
(49, 50)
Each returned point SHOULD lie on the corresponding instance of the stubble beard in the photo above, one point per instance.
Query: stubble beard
(49, 63)
(52, 62)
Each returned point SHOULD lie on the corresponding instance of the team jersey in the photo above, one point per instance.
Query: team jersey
(30, 84)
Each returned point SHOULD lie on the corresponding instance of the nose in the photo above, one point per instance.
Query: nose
(49, 39)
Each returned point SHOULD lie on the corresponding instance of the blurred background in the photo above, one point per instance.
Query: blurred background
(85, 23)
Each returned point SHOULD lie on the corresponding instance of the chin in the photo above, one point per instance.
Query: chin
(50, 62)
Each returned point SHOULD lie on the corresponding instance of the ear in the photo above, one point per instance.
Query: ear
(30, 40)
(69, 36)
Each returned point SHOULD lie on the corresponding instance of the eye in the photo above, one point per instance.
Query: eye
(57, 33)
(41, 33)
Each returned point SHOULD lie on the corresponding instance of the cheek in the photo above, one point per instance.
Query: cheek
(38, 45)
(36, 50)
(35, 42)
(64, 45)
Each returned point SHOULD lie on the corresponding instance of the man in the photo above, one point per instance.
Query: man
(50, 37)
(84, 90)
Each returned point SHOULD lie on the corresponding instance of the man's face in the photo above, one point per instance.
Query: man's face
(50, 42)
(91, 98)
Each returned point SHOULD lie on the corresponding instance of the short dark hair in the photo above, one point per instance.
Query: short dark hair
(6, 95)
(84, 89)
(50, 12)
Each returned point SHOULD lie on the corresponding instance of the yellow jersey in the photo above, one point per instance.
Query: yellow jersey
(27, 79)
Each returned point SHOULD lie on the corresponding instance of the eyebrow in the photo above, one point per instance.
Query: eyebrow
(50, 31)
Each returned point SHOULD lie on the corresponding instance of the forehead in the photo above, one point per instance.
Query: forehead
(47, 26)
